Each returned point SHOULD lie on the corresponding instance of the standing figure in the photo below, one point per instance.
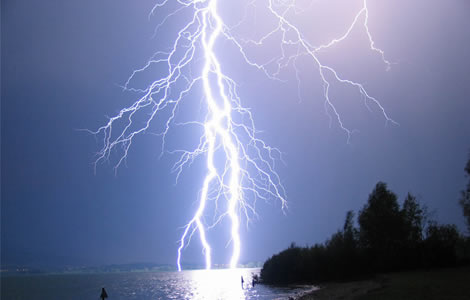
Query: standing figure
(104, 295)
(242, 282)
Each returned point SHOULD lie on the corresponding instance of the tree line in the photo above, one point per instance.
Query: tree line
(389, 237)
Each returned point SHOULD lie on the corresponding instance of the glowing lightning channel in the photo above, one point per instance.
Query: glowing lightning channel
(228, 128)
(219, 123)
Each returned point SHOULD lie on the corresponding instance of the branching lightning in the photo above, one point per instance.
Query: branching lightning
(246, 170)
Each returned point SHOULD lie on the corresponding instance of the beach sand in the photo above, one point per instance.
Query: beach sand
(435, 284)
(343, 290)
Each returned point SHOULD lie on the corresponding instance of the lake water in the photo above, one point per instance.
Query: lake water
(196, 284)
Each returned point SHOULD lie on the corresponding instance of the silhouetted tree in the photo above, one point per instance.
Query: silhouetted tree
(440, 245)
(286, 267)
(350, 239)
(414, 218)
(348, 229)
(465, 199)
(343, 249)
(337, 258)
(382, 230)
(388, 238)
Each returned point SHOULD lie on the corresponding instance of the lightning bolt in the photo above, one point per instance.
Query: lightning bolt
(240, 166)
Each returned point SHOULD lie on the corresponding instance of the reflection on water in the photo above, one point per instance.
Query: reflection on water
(197, 284)
(220, 284)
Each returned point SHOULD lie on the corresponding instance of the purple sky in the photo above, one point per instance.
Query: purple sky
(63, 62)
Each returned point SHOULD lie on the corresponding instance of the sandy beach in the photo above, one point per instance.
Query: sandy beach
(437, 284)
(343, 290)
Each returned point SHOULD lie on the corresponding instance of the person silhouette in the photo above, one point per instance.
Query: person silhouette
(104, 295)
(242, 282)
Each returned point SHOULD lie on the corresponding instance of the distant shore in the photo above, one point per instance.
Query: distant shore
(449, 283)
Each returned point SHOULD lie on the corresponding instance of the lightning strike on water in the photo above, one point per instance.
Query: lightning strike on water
(228, 128)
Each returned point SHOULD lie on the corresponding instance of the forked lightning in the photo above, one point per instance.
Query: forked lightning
(240, 166)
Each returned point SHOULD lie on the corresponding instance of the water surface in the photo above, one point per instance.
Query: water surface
(197, 284)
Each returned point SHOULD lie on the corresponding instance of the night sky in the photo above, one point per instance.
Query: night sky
(63, 63)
